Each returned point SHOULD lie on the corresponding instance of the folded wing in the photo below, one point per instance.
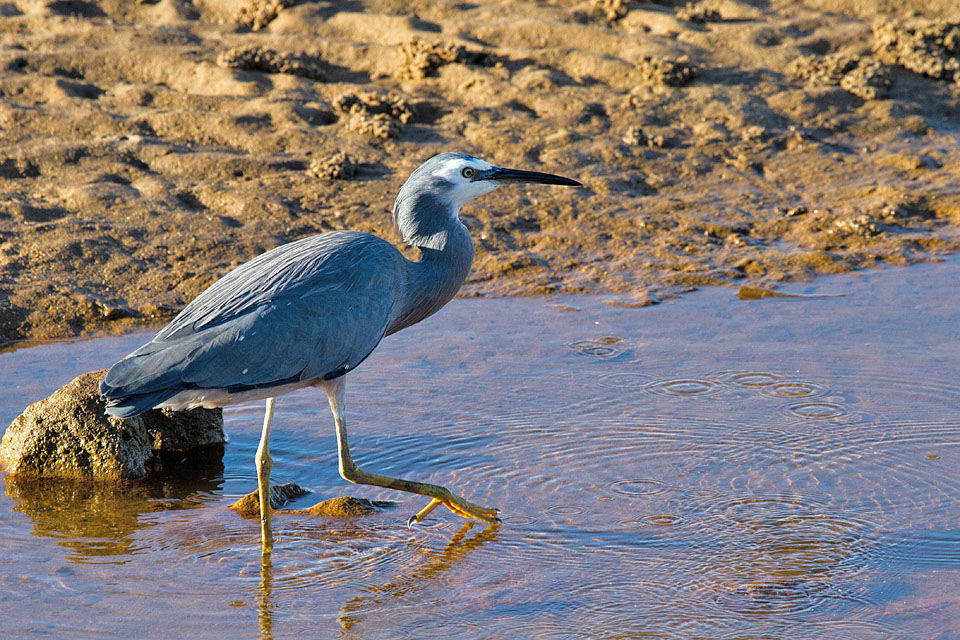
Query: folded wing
(310, 309)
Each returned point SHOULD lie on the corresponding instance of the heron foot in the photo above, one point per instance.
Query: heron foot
(459, 506)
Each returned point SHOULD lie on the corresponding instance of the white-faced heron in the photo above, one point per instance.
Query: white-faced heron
(306, 313)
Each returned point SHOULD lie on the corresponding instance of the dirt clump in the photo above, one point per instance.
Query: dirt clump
(270, 61)
(339, 166)
(866, 78)
(420, 59)
(257, 14)
(374, 114)
(928, 47)
(666, 71)
(869, 80)
(863, 224)
(699, 12)
(636, 137)
(610, 10)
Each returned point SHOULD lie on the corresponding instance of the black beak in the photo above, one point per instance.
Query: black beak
(518, 175)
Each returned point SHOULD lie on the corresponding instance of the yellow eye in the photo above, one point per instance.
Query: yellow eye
(467, 172)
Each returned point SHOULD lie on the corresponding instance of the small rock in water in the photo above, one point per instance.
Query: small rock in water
(69, 435)
(345, 507)
(280, 494)
(341, 507)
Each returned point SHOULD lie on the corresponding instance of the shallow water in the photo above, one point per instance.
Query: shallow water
(706, 468)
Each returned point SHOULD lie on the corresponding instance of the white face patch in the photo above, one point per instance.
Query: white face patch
(463, 190)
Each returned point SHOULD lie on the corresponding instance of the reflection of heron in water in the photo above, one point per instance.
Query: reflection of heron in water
(264, 613)
(351, 613)
(308, 312)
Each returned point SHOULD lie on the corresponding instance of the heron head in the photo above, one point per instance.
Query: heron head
(433, 194)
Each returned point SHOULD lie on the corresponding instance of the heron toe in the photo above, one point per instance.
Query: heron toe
(469, 510)
(460, 507)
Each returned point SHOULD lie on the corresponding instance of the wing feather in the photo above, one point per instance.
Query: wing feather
(310, 309)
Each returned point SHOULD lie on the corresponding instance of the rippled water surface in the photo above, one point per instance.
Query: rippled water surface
(706, 468)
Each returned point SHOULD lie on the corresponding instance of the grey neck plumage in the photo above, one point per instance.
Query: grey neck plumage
(446, 254)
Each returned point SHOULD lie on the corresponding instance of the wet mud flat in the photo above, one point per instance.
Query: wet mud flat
(708, 467)
(149, 147)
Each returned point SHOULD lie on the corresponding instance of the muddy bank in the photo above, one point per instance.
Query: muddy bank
(149, 147)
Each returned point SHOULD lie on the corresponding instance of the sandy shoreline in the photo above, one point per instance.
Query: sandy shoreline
(148, 148)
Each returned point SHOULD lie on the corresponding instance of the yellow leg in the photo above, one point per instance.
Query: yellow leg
(351, 472)
(264, 465)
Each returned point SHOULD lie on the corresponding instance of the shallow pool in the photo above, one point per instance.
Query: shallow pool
(705, 468)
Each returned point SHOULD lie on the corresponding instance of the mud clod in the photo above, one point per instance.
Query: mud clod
(861, 225)
(257, 14)
(339, 166)
(866, 78)
(374, 114)
(610, 10)
(664, 71)
(421, 59)
(870, 80)
(270, 61)
(636, 137)
(699, 12)
(928, 47)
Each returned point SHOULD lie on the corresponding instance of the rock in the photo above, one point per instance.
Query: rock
(341, 507)
(280, 494)
(69, 435)
(178, 431)
(635, 137)
(344, 507)
(861, 225)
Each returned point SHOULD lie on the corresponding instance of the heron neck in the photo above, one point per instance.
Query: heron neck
(433, 280)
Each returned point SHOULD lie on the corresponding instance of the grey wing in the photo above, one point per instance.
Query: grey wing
(311, 309)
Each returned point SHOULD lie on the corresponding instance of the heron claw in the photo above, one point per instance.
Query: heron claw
(460, 507)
